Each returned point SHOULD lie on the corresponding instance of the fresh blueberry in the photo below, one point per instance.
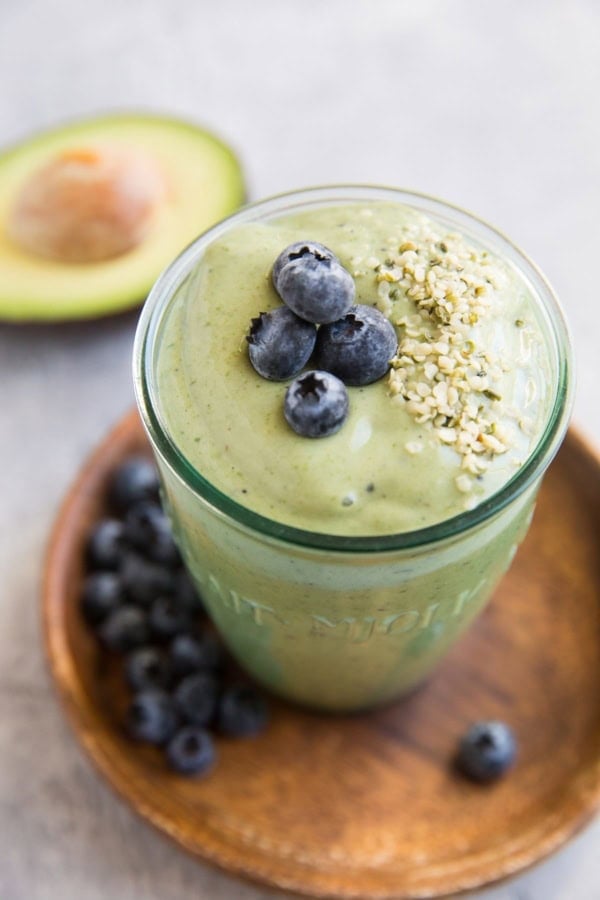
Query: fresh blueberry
(148, 529)
(196, 698)
(144, 580)
(300, 250)
(280, 344)
(316, 404)
(316, 290)
(102, 594)
(152, 717)
(134, 482)
(147, 667)
(186, 593)
(191, 751)
(124, 629)
(106, 545)
(486, 751)
(191, 653)
(357, 348)
(168, 617)
(164, 550)
(242, 712)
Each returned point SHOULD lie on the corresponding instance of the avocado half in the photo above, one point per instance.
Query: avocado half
(205, 184)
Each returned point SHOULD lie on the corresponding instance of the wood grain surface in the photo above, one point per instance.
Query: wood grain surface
(369, 806)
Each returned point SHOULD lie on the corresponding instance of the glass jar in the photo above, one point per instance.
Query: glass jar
(337, 622)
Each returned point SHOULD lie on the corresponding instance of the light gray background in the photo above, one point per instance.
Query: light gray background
(492, 106)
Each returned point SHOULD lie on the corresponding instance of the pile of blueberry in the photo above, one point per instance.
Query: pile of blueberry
(348, 344)
(141, 604)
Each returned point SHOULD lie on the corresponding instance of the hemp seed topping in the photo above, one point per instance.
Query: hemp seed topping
(437, 289)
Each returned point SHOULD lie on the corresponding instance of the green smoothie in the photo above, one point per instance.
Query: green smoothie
(319, 574)
(398, 464)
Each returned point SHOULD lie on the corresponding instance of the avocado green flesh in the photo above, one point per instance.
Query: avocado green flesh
(204, 184)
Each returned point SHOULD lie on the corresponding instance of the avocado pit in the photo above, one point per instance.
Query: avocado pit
(88, 204)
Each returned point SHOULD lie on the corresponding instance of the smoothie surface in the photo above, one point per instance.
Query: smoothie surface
(463, 406)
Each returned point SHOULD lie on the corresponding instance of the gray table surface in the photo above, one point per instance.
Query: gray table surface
(494, 107)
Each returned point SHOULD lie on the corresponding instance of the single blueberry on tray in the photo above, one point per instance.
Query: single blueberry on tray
(191, 751)
(316, 404)
(299, 250)
(133, 482)
(102, 594)
(242, 711)
(106, 545)
(486, 751)
(316, 290)
(280, 343)
(151, 717)
(147, 667)
(358, 347)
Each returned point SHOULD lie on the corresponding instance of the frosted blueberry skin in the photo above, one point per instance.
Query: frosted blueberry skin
(147, 529)
(242, 711)
(147, 668)
(318, 290)
(358, 347)
(486, 751)
(103, 593)
(194, 652)
(196, 698)
(191, 751)
(298, 250)
(280, 343)
(316, 404)
(105, 546)
(134, 482)
(124, 629)
(151, 717)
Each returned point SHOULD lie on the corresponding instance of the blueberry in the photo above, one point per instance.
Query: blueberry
(133, 482)
(124, 629)
(102, 594)
(151, 717)
(190, 653)
(106, 545)
(300, 250)
(186, 592)
(486, 751)
(148, 529)
(316, 290)
(357, 348)
(316, 404)
(168, 617)
(191, 751)
(164, 550)
(143, 580)
(280, 344)
(242, 712)
(196, 698)
(147, 667)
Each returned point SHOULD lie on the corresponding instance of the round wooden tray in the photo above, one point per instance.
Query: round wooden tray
(368, 806)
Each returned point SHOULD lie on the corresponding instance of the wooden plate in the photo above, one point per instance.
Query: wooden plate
(368, 806)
